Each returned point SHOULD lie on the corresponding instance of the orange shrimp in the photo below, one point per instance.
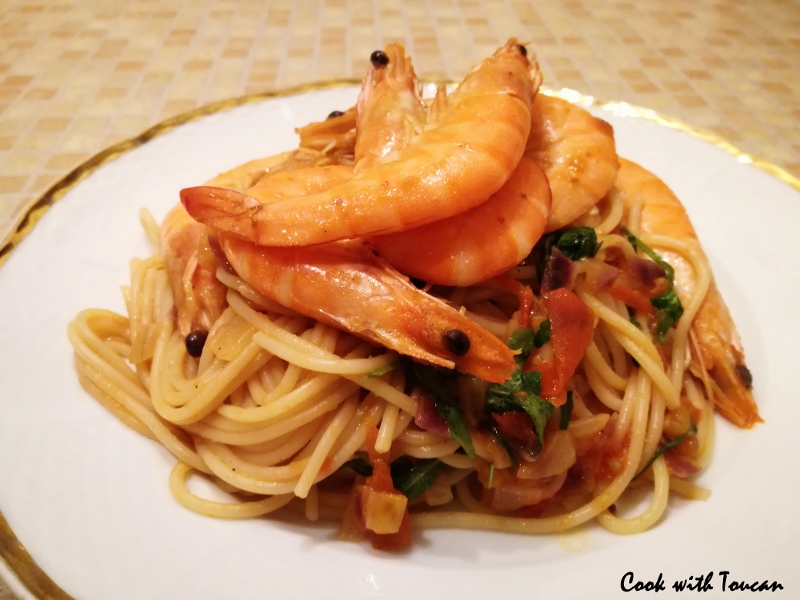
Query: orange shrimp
(449, 168)
(199, 298)
(451, 251)
(345, 285)
(719, 357)
(334, 137)
(578, 154)
(390, 109)
(480, 243)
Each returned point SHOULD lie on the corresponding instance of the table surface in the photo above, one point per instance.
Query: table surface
(77, 76)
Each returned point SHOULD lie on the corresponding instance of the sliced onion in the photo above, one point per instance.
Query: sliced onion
(559, 272)
(645, 272)
(679, 466)
(557, 456)
(521, 493)
(427, 417)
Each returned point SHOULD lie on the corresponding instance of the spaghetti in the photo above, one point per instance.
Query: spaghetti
(615, 387)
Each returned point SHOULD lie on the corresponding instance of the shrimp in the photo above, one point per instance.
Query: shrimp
(335, 136)
(478, 244)
(390, 109)
(719, 358)
(578, 155)
(447, 169)
(345, 285)
(451, 251)
(199, 298)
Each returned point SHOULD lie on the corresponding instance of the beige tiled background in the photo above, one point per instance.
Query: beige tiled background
(79, 75)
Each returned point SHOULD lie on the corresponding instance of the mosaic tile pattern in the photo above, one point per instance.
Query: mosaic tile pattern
(79, 75)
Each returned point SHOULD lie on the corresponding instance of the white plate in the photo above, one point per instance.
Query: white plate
(88, 498)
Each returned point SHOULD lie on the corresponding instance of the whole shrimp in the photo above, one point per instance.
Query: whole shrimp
(578, 155)
(345, 285)
(449, 168)
(451, 251)
(719, 360)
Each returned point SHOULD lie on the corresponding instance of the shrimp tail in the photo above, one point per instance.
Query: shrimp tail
(721, 363)
(222, 209)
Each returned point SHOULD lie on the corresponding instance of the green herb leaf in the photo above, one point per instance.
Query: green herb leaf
(446, 404)
(543, 334)
(578, 242)
(635, 322)
(575, 243)
(671, 310)
(414, 481)
(539, 411)
(383, 370)
(520, 393)
(670, 444)
(360, 465)
(524, 340)
(566, 412)
(668, 304)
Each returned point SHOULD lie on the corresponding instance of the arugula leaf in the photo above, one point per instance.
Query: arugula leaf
(577, 242)
(360, 465)
(519, 384)
(668, 304)
(543, 334)
(520, 393)
(414, 481)
(446, 404)
(566, 412)
(383, 370)
(670, 444)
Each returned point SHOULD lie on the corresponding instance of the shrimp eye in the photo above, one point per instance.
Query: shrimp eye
(522, 50)
(195, 342)
(457, 342)
(379, 58)
(335, 113)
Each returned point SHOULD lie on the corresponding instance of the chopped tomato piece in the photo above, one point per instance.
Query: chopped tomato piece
(550, 377)
(571, 331)
(516, 427)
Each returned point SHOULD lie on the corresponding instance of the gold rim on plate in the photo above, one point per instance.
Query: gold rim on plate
(12, 552)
